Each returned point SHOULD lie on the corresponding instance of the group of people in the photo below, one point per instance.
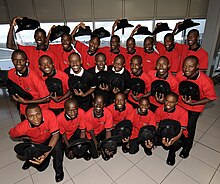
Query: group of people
(90, 93)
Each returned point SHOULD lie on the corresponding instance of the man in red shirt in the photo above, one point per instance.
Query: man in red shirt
(121, 111)
(98, 123)
(87, 52)
(48, 73)
(172, 111)
(32, 52)
(143, 116)
(72, 126)
(29, 81)
(194, 107)
(41, 127)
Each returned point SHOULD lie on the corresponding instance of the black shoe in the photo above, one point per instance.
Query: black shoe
(125, 149)
(170, 160)
(148, 151)
(59, 176)
(184, 153)
(87, 156)
(26, 165)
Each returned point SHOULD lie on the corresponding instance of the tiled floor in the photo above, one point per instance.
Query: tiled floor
(202, 166)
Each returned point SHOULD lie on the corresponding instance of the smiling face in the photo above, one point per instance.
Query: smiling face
(170, 102)
(114, 43)
(71, 109)
(93, 45)
(34, 116)
(144, 105)
(46, 65)
(169, 42)
(162, 66)
(119, 62)
(100, 61)
(148, 44)
(19, 60)
(40, 37)
(75, 62)
(98, 104)
(190, 66)
(136, 65)
(120, 101)
(192, 38)
(66, 42)
(130, 45)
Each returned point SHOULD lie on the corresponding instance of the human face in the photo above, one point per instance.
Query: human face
(34, 116)
(148, 45)
(120, 101)
(135, 66)
(190, 68)
(71, 110)
(40, 38)
(93, 45)
(130, 45)
(75, 63)
(46, 65)
(98, 105)
(162, 67)
(100, 62)
(19, 62)
(144, 106)
(170, 102)
(192, 39)
(168, 43)
(66, 42)
(118, 64)
(114, 44)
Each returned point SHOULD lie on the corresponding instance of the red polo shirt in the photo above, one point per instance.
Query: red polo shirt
(64, 78)
(62, 56)
(98, 124)
(170, 79)
(173, 56)
(149, 60)
(179, 114)
(142, 120)
(39, 134)
(126, 114)
(31, 84)
(206, 89)
(33, 55)
(201, 54)
(111, 56)
(69, 126)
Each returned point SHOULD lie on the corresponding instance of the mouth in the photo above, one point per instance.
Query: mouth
(47, 69)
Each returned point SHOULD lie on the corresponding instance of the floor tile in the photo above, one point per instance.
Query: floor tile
(93, 175)
(116, 166)
(135, 175)
(136, 157)
(210, 141)
(204, 122)
(150, 166)
(216, 178)
(16, 174)
(7, 157)
(69, 182)
(196, 169)
(25, 181)
(182, 178)
(198, 134)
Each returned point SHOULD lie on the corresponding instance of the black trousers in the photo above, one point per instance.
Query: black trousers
(192, 122)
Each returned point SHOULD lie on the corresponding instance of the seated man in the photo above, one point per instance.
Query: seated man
(72, 126)
(172, 111)
(41, 127)
(98, 124)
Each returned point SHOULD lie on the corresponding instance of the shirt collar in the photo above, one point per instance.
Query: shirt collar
(120, 72)
(165, 110)
(138, 111)
(77, 74)
(123, 109)
(97, 71)
(45, 48)
(195, 77)
(32, 126)
(25, 74)
(53, 73)
(68, 118)
(95, 116)
(195, 49)
(165, 77)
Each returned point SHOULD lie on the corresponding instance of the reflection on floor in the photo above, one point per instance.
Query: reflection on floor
(202, 166)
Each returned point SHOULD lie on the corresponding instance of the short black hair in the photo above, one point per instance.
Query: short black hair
(120, 56)
(19, 51)
(100, 54)
(149, 38)
(194, 31)
(115, 36)
(138, 57)
(74, 53)
(40, 30)
(45, 56)
(99, 96)
(192, 57)
(31, 106)
(170, 36)
(70, 100)
(172, 94)
(163, 57)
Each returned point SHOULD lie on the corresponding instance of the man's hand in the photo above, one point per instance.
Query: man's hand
(160, 98)
(125, 140)
(187, 100)
(39, 160)
(148, 144)
(54, 97)
(18, 99)
(13, 22)
(115, 90)
(79, 93)
(104, 87)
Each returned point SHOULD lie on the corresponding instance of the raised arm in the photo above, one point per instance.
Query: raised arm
(115, 25)
(10, 38)
(135, 30)
(81, 24)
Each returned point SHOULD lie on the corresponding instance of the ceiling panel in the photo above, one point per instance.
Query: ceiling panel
(198, 8)
(108, 9)
(22, 8)
(139, 9)
(3, 13)
(76, 10)
(49, 10)
(171, 9)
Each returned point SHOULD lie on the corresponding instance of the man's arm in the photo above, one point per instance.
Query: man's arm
(81, 24)
(10, 38)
